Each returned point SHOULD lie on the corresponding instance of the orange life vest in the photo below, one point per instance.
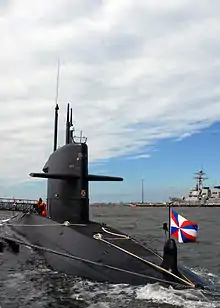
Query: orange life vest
(41, 205)
(44, 213)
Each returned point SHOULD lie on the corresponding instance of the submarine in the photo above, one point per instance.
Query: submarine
(73, 244)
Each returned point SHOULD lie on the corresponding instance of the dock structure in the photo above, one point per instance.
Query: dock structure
(11, 204)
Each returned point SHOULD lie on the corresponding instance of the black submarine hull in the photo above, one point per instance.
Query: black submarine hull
(105, 254)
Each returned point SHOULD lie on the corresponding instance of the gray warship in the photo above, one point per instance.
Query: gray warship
(199, 194)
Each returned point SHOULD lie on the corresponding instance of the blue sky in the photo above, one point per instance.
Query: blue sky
(142, 77)
(167, 172)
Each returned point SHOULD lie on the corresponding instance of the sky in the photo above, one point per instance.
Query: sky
(143, 80)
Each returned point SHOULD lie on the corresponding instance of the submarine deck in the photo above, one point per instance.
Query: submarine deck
(113, 237)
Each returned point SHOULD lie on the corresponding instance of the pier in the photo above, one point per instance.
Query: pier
(10, 204)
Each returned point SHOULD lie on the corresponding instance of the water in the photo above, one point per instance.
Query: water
(27, 282)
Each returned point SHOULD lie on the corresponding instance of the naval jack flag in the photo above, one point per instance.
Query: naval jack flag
(182, 229)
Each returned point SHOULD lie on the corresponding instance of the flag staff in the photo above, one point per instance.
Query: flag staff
(166, 227)
(169, 207)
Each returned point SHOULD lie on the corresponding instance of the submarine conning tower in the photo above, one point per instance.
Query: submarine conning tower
(67, 174)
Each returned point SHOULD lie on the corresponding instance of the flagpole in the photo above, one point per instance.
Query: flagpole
(169, 218)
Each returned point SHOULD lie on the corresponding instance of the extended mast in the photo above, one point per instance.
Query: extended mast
(68, 124)
(56, 108)
(55, 127)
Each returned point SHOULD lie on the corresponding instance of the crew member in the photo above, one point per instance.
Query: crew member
(40, 207)
(15, 206)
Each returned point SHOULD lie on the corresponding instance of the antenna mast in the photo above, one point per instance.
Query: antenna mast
(58, 79)
(68, 124)
(56, 108)
(200, 177)
(71, 125)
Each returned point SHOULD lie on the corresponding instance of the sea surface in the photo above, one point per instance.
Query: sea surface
(26, 281)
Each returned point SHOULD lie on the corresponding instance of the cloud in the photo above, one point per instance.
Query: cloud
(185, 135)
(139, 156)
(135, 72)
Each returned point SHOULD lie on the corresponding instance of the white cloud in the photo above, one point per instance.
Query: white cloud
(139, 156)
(126, 66)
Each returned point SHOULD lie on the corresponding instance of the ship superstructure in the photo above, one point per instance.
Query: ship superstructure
(200, 193)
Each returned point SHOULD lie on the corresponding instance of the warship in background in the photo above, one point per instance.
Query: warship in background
(200, 194)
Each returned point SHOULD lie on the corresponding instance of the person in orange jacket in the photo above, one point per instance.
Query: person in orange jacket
(41, 207)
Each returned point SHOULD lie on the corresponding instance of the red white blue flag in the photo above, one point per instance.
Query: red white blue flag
(182, 229)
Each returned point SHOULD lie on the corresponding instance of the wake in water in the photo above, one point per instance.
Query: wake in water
(32, 284)
(151, 295)
(184, 298)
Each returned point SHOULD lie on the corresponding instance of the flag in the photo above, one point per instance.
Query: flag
(182, 229)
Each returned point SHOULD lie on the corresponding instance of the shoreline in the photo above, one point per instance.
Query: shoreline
(158, 205)
(27, 205)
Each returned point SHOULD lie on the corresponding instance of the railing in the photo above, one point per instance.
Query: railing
(16, 204)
